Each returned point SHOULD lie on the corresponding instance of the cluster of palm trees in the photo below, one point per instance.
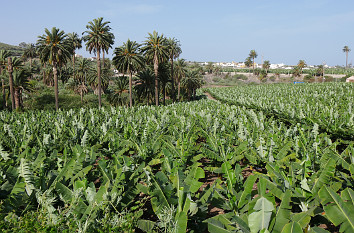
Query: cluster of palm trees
(153, 67)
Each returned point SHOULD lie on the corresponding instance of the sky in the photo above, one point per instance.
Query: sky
(280, 31)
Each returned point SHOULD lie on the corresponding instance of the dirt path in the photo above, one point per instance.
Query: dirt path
(209, 96)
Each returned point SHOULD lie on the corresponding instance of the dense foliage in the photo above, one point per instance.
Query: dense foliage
(197, 166)
(329, 105)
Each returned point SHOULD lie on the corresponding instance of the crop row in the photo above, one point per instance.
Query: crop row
(196, 166)
(330, 105)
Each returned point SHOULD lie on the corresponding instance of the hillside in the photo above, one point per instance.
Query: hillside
(15, 50)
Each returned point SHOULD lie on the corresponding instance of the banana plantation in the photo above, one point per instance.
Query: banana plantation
(271, 158)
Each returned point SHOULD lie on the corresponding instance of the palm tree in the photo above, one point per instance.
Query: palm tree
(76, 43)
(20, 83)
(346, 50)
(4, 54)
(120, 93)
(82, 69)
(301, 65)
(164, 78)
(128, 59)
(156, 52)
(174, 51)
(192, 81)
(266, 66)
(145, 84)
(98, 38)
(180, 72)
(30, 53)
(54, 48)
(10, 70)
(253, 54)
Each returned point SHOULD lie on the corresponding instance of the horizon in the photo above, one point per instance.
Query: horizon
(281, 32)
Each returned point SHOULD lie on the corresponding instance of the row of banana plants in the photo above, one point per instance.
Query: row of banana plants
(199, 166)
(330, 105)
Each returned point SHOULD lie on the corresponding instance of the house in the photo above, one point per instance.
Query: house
(350, 79)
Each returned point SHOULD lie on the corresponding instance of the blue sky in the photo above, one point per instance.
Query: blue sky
(279, 30)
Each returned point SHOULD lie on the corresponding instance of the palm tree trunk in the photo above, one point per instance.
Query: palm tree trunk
(82, 96)
(9, 67)
(130, 89)
(164, 93)
(3, 94)
(179, 89)
(99, 77)
(56, 89)
(253, 65)
(17, 98)
(156, 69)
(173, 81)
(74, 64)
(346, 60)
(21, 99)
(44, 81)
(103, 59)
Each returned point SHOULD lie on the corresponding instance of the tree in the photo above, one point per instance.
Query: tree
(266, 66)
(346, 50)
(10, 70)
(301, 65)
(54, 48)
(76, 43)
(98, 38)
(192, 81)
(4, 54)
(30, 53)
(20, 83)
(253, 54)
(156, 52)
(82, 70)
(145, 84)
(119, 97)
(174, 51)
(180, 72)
(128, 59)
(164, 78)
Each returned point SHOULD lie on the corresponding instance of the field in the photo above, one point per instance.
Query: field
(270, 158)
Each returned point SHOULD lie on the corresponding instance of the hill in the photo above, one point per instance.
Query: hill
(15, 50)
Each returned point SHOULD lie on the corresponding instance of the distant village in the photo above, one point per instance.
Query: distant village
(240, 65)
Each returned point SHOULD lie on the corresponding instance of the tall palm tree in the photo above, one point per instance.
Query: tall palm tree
(253, 54)
(76, 43)
(266, 66)
(98, 38)
(301, 65)
(174, 51)
(128, 59)
(54, 48)
(180, 72)
(10, 70)
(164, 78)
(156, 52)
(30, 52)
(4, 54)
(20, 83)
(346, 50)
(82, 69)
(145, 84)
(191, 82)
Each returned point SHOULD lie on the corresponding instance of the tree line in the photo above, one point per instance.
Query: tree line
(152, 71)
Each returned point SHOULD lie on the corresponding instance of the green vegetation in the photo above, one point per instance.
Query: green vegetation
(260, 158)
(14, 50)
(327, 105)
(195, 166)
